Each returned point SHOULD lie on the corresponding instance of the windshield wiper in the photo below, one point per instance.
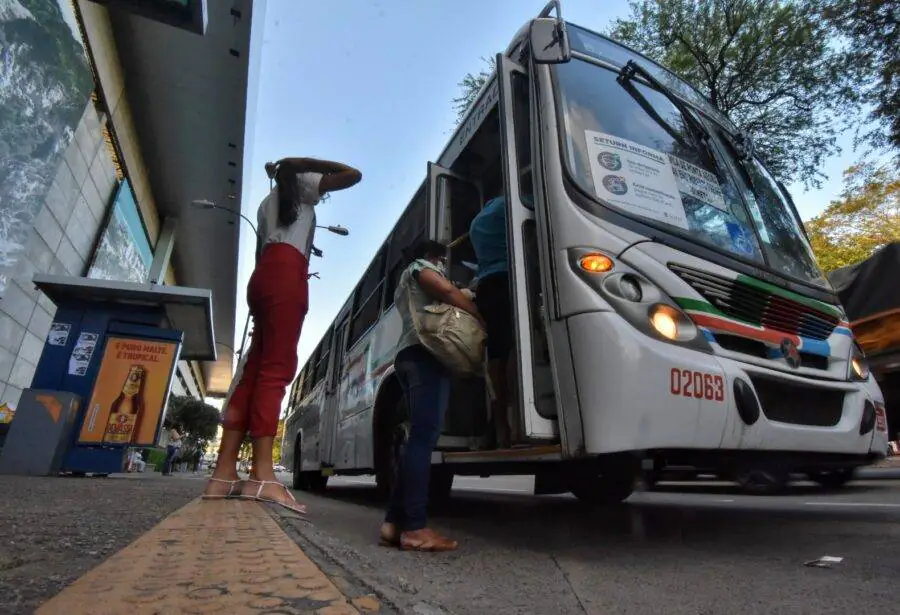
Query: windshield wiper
(651, 111)
(698, 132)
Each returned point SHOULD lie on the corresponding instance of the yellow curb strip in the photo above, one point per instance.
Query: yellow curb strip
(212, 556)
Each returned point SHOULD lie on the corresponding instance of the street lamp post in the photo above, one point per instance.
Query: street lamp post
(209, 205)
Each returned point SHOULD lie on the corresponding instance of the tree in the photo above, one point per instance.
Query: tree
(871, 29)
(279, 435)
(768, 64)
(471, 84)
(864, 218)
(198, 421)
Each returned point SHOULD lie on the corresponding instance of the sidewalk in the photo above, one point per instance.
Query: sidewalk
(222, 556)
(216, 556)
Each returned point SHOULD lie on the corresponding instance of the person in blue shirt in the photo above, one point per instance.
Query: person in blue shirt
(487, 235)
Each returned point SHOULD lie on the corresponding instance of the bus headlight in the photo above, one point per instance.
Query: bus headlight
(672, 324)
(859, 367)
(636, 298)
(664, 322)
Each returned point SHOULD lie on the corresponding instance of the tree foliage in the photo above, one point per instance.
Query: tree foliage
(276, 448)
(767, 64)
(196, 420)
(470, 85)
(864, 218)
(871, 29)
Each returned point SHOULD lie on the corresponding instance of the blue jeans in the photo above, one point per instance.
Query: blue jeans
(426, 386)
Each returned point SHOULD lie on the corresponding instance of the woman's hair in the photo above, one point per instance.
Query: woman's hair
(288, 195)
(425, 248)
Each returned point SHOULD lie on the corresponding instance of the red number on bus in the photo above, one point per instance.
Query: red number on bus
(699, 385)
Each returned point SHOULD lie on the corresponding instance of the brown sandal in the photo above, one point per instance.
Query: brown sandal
(426, 540)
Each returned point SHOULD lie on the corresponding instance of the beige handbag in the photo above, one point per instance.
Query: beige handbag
(452, 335)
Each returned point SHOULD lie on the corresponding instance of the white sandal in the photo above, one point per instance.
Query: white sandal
(293, 505)
(231, 491)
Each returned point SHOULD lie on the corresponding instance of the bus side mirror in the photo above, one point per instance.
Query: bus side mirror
(549, 41)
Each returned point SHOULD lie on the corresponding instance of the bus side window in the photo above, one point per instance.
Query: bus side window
(521, 123)
(310, 369)
(412, 226)
(367, 303)
(322, 362)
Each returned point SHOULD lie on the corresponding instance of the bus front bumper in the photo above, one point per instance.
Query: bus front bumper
(637, 393)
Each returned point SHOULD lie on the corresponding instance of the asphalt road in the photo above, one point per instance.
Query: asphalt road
(689, 548)
(53, 530)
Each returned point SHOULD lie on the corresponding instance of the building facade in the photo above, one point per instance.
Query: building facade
(115, 116)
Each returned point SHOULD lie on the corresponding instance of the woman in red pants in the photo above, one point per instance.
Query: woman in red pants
(278, 300)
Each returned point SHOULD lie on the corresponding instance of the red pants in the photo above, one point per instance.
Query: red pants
(278, 298)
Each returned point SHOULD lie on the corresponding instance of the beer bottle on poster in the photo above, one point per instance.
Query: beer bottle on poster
(127, 411)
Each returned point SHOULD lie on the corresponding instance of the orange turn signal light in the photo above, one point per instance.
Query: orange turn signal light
(595, 263)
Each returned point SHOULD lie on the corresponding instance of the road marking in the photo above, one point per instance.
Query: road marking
(857, 504)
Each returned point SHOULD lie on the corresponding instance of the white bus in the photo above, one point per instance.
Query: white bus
(667, 306)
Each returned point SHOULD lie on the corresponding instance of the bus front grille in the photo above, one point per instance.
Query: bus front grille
(789, 402)
(757, 306)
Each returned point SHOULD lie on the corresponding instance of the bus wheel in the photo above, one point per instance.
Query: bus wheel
(310, 481)
(611, 487)
(386, 475)
(832, 479)
(763, 481)
(651, 479)
(440, 485)
(300, 480)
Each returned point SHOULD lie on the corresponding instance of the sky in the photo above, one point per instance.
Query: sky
(370, 83)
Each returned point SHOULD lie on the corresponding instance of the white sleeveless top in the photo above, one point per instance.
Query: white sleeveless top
(300, 233)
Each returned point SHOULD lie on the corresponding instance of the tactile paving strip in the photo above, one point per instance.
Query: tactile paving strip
(212, 556)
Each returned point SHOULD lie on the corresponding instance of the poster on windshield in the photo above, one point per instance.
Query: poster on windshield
(635, 178)
(697, 182)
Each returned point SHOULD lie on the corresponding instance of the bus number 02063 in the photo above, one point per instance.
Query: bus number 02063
(689, 383)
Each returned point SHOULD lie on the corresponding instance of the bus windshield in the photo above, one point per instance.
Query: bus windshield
(633, 149)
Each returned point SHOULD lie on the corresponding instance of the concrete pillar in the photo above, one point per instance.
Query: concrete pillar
(163, 252)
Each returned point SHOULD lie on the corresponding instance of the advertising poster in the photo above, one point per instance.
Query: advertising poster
(81, 356)
(130, 392)
(59, 334)
(635, 178)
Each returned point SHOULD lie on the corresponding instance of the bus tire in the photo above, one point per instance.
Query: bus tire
(763, 481)
(832, 479)
(391, 430)
(395, 442)
(440, 485)
(651, 479)
(310, 481)
(297, 477)
(613, 486)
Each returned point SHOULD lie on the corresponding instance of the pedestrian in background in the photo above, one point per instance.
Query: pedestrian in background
(425, 383)
(172, 450)
(278, 299)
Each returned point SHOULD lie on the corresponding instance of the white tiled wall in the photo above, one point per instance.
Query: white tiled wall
(60, 243)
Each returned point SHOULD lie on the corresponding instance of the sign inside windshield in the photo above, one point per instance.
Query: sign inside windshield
(698, 183)
(635, 178)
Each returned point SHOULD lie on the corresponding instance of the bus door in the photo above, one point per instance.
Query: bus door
(453, 202)
(450, 200)
(331, 453)
(537, 399)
